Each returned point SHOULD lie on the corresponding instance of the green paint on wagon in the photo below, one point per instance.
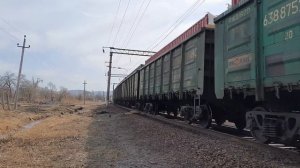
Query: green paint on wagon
(257, 46)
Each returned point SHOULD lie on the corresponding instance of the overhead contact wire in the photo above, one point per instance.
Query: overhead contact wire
(139, 21)
(121, 23)
(134, 23)
(114, 22)
(132, 35)
(176, 24)
(12, 36)
(189, 12)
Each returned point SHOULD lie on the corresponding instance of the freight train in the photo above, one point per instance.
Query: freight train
(242, 66)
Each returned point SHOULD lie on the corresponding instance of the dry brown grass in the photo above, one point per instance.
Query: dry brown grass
(52, 138)
(74, 101)
(57, 127)
(11, 121)
(56, 141)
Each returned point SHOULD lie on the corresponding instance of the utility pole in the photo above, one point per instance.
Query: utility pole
(121, 51)
(108, 78)
(84, 83)
(103, 95)
(20, 71)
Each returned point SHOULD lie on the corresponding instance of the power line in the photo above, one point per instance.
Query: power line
(140, 19)
(171, 29)
(114, 22)
(121, 23)
(12, 36)
(118, 30)
(174, 26)
(177, 23)
(12, 26)
(134, 22)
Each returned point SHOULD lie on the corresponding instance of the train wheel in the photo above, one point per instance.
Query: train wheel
(146, 108)
(205, 117)
(156, 108)
(258, 133)
(219, 121)
(255, 130)
(187, 116)
(141, 107)
(240, 124)
(175, 114)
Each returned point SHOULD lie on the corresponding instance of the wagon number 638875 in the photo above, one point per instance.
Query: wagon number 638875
(282, 12)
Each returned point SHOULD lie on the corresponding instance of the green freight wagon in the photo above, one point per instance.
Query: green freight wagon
(128, 91)
(257, 67)
(181, 75)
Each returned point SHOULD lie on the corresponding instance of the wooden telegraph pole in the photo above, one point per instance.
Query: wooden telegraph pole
(84, 83)
(20, 71)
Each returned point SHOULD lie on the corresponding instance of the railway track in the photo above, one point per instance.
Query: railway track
(225, 131)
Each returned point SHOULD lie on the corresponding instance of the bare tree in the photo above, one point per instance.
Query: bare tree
(63, 93)
(25, 93)
(80, 96)
(52, 89)
(2, 91)
(45, 94)
(8, 82)
(35, 88)
(29, 90)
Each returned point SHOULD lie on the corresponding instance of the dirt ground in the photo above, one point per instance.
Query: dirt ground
(124, 139)
(67, 136)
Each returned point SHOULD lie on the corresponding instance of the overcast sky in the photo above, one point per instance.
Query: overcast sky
(67, 36)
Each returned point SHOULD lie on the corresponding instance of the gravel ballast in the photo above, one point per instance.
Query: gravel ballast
(129, 140)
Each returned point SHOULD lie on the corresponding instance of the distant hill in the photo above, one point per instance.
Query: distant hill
(79, 92)
(75, 92)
